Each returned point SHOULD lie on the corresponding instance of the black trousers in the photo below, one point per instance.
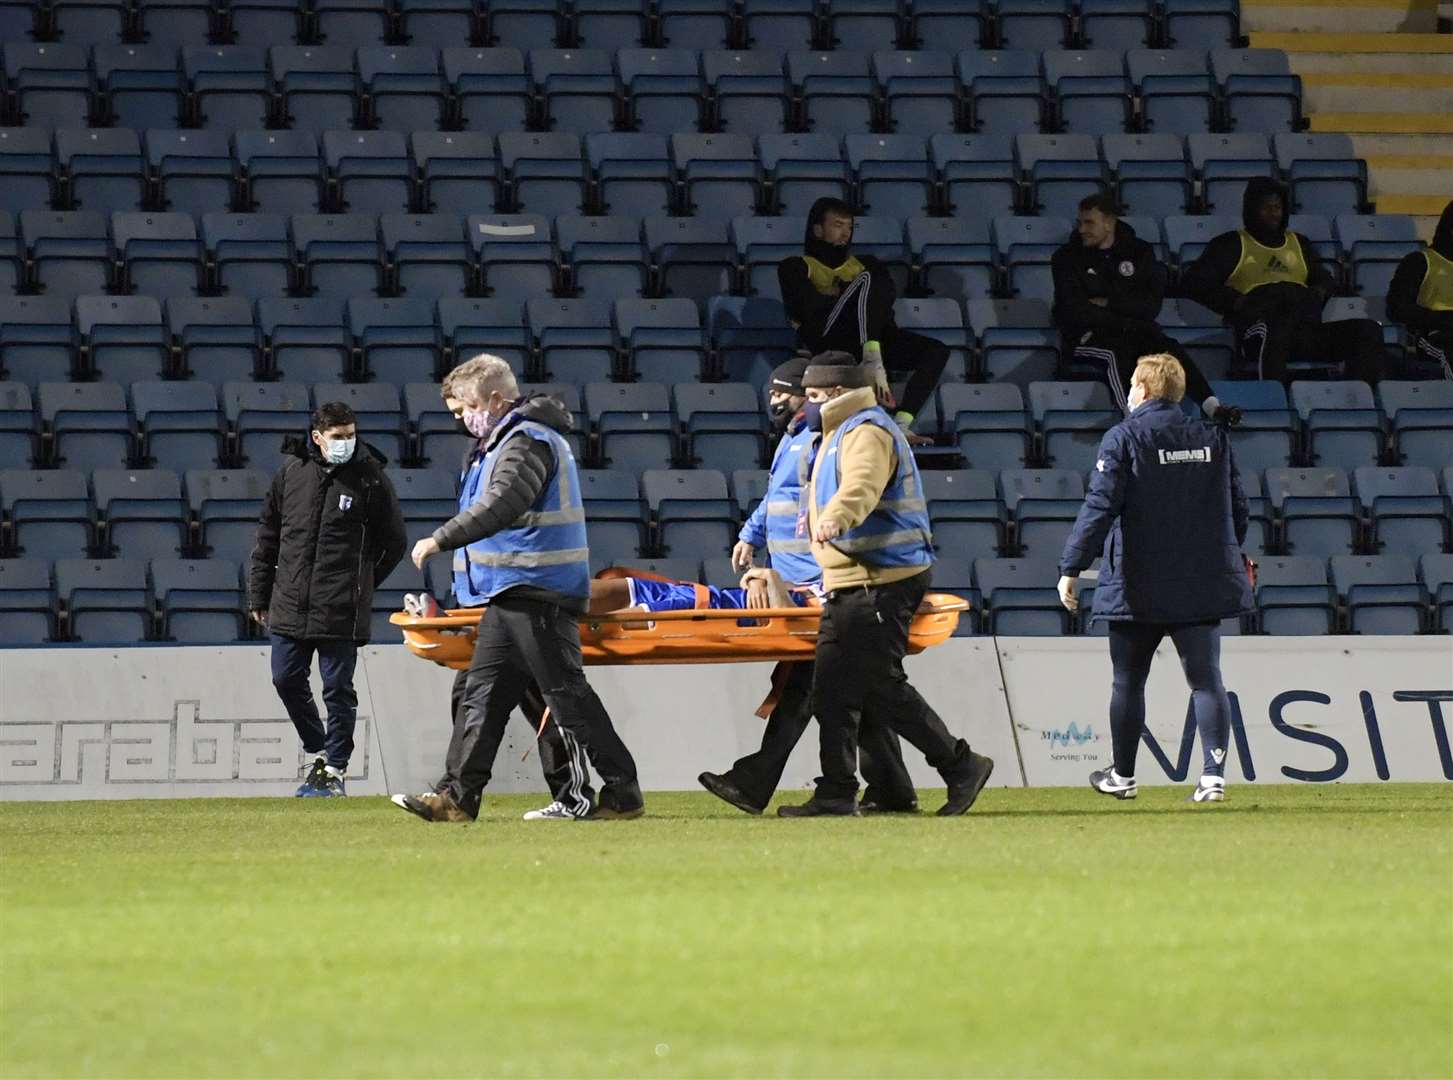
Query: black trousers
(861, 643)
(879, 753)
(520, 641)
(1116, 352)
(1271, 343)
(562, 758)
(864, 312)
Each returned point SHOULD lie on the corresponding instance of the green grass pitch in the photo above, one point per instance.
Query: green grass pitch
(1292, 931)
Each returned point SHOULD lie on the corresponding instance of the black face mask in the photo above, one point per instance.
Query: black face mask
(781, 415)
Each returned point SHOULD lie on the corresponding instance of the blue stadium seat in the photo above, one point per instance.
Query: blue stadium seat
(955, 256)
(1152, 177)
(282, 170)
(1213, 23)
(1025, 245)
(633, 423)
(250, 253)
(761, 244)
(515, 253)
(36, 340)
(49, 512)
(662, 339)
(1436, 573)
(12, 265)
(864, 25)
(1294, 597)
(140, 86)
(614, 517)
(1060, 170)
(749, 91)
(104, 600)
(406, 90)
(307, 340)
(69, 252)
(1004, 89)
(27, 169)
(1375, 244)
(140, 512)
(200, 600)
(632, 172)
(178, 422)
(695, 24)
(1381, 593)
(882, 238)
(159, 254)
(453, 168)
(782, 25)
(26, 601)
(718, 174)
(379, 412)
(547, 173)
(441, 24)
(1176, 88)
(1343, 425)
(265, 22)
(263, 415)
(1402, 510)
(941, 318)
(968, 519)
(88, 423)
(369, 171)
(21, 20)
(316, 86)
(526, 24)
(750, 335)
(1072, 418)
(427, 496)
(952, 25)
(398, 341)
(1090, 91)
(492, 326)
(749, 487)
(442, 440)
(1186, 237)
(1225, 162)
(1266, 436)
(18, 434)
(491, 90)
(894, 175)
(1021, 597)
(1323, 172)
(694, 258)
(603, 256)
(352, 23)
(226, 504)
(1117, 24)
(801, 168)
(692, 512)
(1260, 526)
(229, 86)
(989, 424)
(573, 339)
(576, 88)
(1017, 339)
(427, 255)
(337, 254)
(722, 425)
(1318, 514)
(50, 84)
(610, 24)
(123, 338)
(919, 91)
(194, 170)
(664, 91)
(1043, 504)
(836, 91)
(1259, 92)
(1421, 415)
(978, 175)
(1035, 24)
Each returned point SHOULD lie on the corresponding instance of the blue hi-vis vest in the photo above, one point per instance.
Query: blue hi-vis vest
(897, 532)
(791, 554)
(544, 548)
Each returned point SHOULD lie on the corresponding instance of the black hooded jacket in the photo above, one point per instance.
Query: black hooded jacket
(327, 536)
(1126, 275)
(806, 307)
(1205, 279)
(1402, 292)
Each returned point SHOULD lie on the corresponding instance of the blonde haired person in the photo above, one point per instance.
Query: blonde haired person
(1166, 515)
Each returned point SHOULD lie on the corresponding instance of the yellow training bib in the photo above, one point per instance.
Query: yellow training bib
(1436, 293)
(1261, 265)
(823, 276)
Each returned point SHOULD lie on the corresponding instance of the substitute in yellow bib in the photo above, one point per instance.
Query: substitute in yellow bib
(1421, 296)
(1270, 286)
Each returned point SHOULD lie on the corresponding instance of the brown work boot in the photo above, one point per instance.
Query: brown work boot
(433, 806)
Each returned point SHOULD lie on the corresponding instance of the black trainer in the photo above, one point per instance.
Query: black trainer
(815, 807)
(965, 788)
(726, 791)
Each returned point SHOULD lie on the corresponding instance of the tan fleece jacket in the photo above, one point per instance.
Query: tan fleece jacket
(865, 462)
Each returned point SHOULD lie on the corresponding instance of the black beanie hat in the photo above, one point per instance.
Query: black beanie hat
(787, 376)
(831, 369)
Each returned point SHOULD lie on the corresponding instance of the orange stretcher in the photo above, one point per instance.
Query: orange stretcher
(704, 636)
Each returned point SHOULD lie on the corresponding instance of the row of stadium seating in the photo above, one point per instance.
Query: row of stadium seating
(198, 601)
(159, 513)
(405, 89)
(614, 24)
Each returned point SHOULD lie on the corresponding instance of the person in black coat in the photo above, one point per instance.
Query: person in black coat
(1108, 289)
(330, 531)
(1269, 285)
(1420, 295)
(1166, 515)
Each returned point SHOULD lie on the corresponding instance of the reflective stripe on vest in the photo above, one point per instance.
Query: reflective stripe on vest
(545, 547)
(1261, 265)
(790, 554)
(1436, 292)
(897, 532)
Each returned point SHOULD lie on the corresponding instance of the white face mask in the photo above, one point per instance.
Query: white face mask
(1136, 397)
(338, 451)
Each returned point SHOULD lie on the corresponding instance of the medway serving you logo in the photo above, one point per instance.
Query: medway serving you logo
(1200, 455)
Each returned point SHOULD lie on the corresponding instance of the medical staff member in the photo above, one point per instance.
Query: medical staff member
(870, 533)
(520, 532)
(1166, 515)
